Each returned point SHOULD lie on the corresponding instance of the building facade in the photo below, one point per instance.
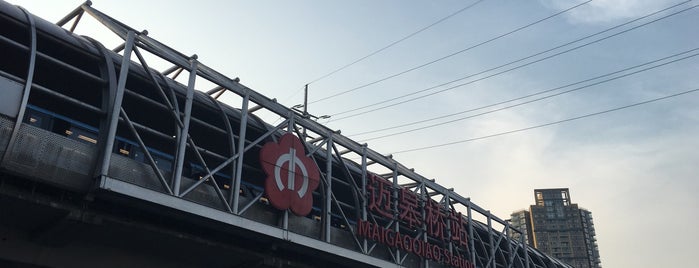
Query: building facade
(521, 220)
(559, 228)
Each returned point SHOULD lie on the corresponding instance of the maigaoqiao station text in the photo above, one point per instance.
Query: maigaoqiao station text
(430, 230)
(415, 246)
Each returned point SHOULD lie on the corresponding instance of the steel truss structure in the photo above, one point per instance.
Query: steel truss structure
(135, 131)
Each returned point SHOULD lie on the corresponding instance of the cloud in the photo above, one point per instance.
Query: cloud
(608, 11)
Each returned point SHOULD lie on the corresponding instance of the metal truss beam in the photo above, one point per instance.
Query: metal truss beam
(117, 186)
(27, 84)
(331, 140)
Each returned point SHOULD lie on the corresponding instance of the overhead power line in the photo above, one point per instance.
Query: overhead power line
(450, 55)
(336, 118)
(548, 124)
(386, 47)
(531, 95)
(396, 42)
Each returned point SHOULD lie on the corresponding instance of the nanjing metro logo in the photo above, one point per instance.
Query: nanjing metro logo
(291, 175)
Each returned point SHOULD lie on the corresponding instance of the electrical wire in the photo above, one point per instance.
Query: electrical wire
(548, 124)
(335, 118)
(385, 47)
(396, 42)
(450, 55)
(530, 95)
(520, 104)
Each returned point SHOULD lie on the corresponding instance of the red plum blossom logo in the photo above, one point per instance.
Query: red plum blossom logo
(291, 175)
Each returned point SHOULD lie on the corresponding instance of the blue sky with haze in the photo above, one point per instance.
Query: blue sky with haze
(636, 169)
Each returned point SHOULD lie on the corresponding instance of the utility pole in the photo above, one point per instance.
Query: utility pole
(305, 100)
(305, 108)
(304, 112)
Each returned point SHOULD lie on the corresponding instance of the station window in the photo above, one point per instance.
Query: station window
(123, 148)
(37, 119)
(61, 126)
(81, 134)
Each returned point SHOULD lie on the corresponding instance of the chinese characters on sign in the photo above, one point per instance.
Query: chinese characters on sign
(292, 177)
(398, 203)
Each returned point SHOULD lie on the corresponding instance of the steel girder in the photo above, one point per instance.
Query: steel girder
(488, 247)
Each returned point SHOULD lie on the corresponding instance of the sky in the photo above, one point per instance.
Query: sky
(635, 169)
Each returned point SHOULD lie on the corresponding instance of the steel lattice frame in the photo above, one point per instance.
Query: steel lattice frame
(487, 246)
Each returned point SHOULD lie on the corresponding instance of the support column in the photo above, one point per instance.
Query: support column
(508, 237)
(394, 202)
(184, 132)
(472, 246)
(27, 84)
(491, 263)
(235, 191)
(526, 252)
(423, 213)
(327, 208)
(115, 107)
(447, 206)
(365, 246)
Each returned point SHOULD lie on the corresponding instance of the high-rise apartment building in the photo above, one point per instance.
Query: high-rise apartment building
(521, 220)
(559, 228)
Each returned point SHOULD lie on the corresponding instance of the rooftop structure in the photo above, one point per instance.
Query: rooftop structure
(560, 228)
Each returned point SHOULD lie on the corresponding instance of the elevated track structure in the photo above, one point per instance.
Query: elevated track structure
(107, 162)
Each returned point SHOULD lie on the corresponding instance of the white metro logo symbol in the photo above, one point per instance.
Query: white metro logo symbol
(293, 161)
(291, 175)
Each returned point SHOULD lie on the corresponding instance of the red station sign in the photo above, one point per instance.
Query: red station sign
(291, 175)
(440, 223)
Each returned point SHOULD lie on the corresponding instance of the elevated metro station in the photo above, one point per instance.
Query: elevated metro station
(107, 162)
